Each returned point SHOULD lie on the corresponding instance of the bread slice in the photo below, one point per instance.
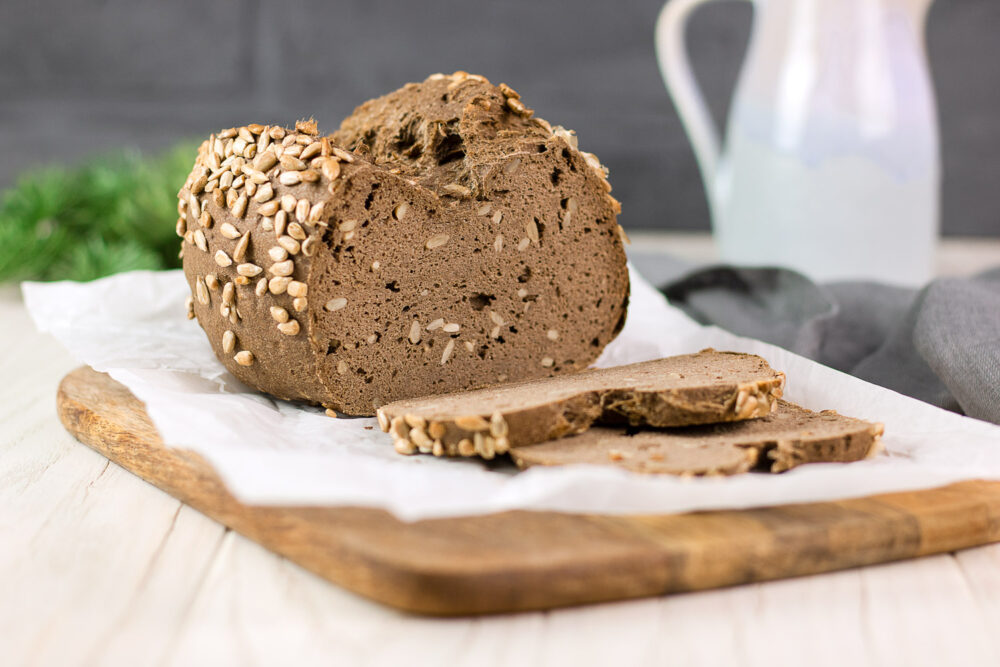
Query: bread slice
(780, 441)
(700, 388)
(443, 239)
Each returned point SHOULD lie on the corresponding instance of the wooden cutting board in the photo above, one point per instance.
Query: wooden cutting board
(520, 560)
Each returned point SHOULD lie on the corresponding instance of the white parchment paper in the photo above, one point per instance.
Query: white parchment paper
(132, 326)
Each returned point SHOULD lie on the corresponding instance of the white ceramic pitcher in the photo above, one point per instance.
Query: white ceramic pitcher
(831, 162)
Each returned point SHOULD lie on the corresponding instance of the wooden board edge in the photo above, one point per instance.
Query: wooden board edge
(639, 556)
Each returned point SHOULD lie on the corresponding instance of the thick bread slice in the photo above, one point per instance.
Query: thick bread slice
(700, 388)
(787, 438)
(459, 243)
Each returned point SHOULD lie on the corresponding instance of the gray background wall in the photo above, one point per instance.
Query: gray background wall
(86, 76)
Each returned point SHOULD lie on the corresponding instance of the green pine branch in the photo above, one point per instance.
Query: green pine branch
(116, 213)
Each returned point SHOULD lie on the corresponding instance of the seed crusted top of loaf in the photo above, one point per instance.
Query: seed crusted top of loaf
(427, 246)
(789, 437)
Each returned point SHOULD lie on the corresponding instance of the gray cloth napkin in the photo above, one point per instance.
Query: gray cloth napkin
(940, 344)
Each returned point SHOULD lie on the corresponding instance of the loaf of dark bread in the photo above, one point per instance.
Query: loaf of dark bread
(778, 442)
(441, 240)
(702, 388)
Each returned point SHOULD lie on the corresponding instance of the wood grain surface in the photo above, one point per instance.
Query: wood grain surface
(518, 561)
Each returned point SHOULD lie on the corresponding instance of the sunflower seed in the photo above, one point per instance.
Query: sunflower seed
(201, 291)
(241, 280)
(376, 265)
(289, 328)
(547, 361)
(552, 334)
(457, 190)
(292, 163)
(221, 258)
(383, 421)
(451, 327)
(347, 225)
(420, 438)
(523, 243)
(498, 425)
(497, 319)
(331, 169)
(471, 423)
(226, 180)
(306, 127)
(263, 141)
(341, 367)
(264, 194)
(212, 281)
(189, 304)
(267, 224)
(415, 332)
(278, 284)
(531, 229)
(228, 294)
(311, 150)
(447, 351)
(219, 197)
(512, 166)
(239, 208)
(335, 304)
(497, 217)
(300, 304)
(248, 270)
(469, 345)
(484, 209)
(436, 324)
(229, 230)
(282, 269)
(199, 184)
(241, 248)
(280, 222)
(294, 228)
(400, 211)
(343, 155)
(466, 447)
(309, 246)
(290, 178)
(228, 341)
(436, 241)
(315, 213)
(279, 314)
(264, 161)
(290, 245)
(261, 288)
(194, 207)
(296, 288)
(199, 240)
(244, 358)
(498, 243)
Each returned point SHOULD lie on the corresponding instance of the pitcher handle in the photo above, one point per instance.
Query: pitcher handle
(671, 53)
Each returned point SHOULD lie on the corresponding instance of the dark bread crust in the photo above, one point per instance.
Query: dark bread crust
(456, 211)
(778, 442)
(701, 388)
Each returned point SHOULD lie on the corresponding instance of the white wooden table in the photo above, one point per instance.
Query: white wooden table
(98, 567)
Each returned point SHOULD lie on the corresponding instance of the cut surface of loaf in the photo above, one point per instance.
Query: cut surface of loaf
(443, 239)
(789, 437)
(706, 387)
